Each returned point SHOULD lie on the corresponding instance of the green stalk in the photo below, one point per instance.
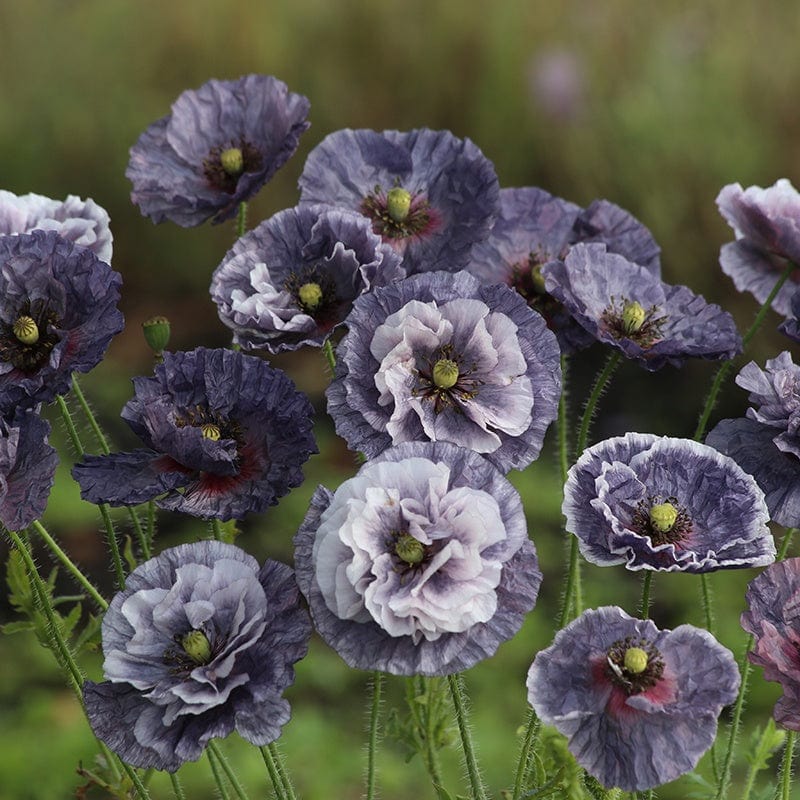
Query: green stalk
(528, 747)
(327, 349)
(646, 587)
(783, 790)
(177, 789)
(241, 220)
(70, 565)
(213, 747)
(374, 718)
(216, 528)
(459, 705)
(725, 368)
(563, 450)
(787, 540)
(218, 779)
(272, 747)
(274, 775)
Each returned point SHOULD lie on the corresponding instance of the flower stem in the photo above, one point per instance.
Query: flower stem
(725, 368)
(327, 349)
(528, 747)
(646, 587)
(213, 747)
(783, 790)
(241, 220)
(70, 565)
(223, 791)
(787, 540)
(374, 718)
(272, 748)
(563, 449)
(459, 704)
(274, 775)
(708, 602)
(177, 789)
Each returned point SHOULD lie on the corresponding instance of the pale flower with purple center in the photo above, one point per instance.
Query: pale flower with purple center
(439, 357)
(420, 564)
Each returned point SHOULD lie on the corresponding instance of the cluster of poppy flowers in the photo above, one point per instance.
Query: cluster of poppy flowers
(459, 299)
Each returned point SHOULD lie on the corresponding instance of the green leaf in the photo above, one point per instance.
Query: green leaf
(17, 627)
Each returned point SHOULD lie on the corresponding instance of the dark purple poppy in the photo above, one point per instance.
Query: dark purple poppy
(226, 434)
(638, 705)
(438, 357)
(626, 306)
(58, 312)
(27, 469)
(534, 228)
(420, 564)
(201, 642)
(772, 617)
(293, 279)
(430, 195)
(218, 147)
(767, 442)
(767, 227)
(655, 502)
(791, 327)
(81, 221)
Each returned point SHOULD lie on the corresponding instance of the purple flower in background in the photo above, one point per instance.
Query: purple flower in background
(439, 357)
(27, 469)
(791, 327)
(626, 306)
(82, 222)
(58, 312)
(218, 147)
(226, 434)
(773, 617)
(655, 502)
(420, 564)
(534, 228)
(293, 279)
(767, 227)
(638, 705)
(201, 642)
(430, 195)
(767, 442)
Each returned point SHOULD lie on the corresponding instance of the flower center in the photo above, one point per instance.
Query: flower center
(665, 522)
(196, 645)
(630, 320)
(310, 295)
(26, 330)
(223, 166)
(232, 161)
(634, 665)
(212, 426)
(398, 213)
(210, 431)
(444, 381)
(528, 281)
(27, 342)
(445, 373)
(409, 549)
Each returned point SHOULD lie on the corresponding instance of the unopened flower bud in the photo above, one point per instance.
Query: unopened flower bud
(156, 333)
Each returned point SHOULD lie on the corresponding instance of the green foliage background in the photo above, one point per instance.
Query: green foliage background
(673, 101)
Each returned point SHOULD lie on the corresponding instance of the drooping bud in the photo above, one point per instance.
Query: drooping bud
(196, 645)
(633, 316)
(232, 161)
(156, 333)
(398, 203)
(635, 660)
(445, 373)
(26, 330)
(663, 516)
(409, 549)
(210, 431)
(310, 295)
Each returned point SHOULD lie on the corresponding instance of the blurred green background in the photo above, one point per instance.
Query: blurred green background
(654, 106)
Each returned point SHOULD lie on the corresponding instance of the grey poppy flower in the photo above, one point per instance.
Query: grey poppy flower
(439, 357)
(201, 642)
(791, 327)
(430, 195)
(420, 564)
(626, 306)
(58, 312)
(772, 618)
(218, 147)
(80, 221)
(226, 435)
(655, 502)
(292, 280)
(27, 469)
(638, 705)
(767, 442)
(767, 227)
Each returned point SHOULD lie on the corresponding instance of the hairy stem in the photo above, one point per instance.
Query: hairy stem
(528, 747)
(213, 747)
(459, 704)
(374, 718)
